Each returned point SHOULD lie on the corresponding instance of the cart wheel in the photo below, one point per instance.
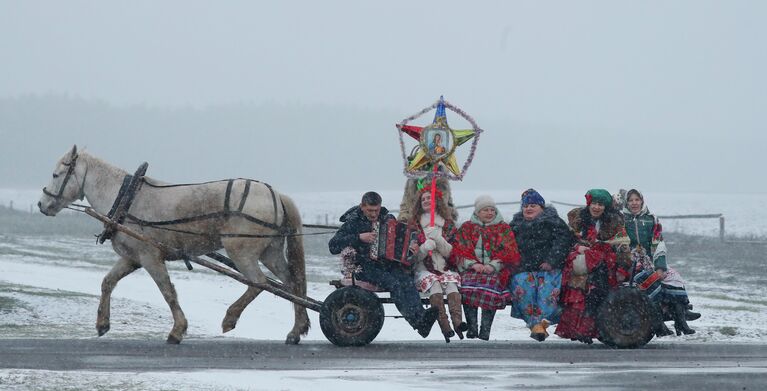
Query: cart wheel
(351, 316)
(626, 318)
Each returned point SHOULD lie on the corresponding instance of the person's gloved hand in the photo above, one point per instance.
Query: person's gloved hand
(432, 233)
(429, 245)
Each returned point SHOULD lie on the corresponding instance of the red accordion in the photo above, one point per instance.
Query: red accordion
(393, 241)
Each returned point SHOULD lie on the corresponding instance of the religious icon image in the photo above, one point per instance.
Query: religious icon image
(438, 141)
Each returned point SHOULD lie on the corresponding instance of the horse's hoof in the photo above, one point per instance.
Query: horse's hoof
(292, 340)
(172, 340)
(228, 326)
(102, 329)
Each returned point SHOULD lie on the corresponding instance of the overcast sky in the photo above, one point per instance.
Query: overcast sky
(664, 95)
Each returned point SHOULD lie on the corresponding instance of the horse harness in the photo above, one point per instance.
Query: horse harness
(132, 184)
(70, 171)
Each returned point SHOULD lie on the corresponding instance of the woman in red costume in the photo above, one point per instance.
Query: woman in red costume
(593, 267)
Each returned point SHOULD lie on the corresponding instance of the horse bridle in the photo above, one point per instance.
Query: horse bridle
(70, 172)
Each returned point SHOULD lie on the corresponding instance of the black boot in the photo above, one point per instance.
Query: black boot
(662, 330)
(680, 322)
(471, 318)
(487, 323)
(427, 321)
(689, 314)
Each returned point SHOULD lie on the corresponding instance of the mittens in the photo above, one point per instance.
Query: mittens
(443, 247)
(432, 232)
(429, 245)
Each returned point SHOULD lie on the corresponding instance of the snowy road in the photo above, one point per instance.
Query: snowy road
(503, 365)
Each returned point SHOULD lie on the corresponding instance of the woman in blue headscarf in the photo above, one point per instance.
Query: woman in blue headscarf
(544, 240)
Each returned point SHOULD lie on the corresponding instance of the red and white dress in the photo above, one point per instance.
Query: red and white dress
(435, 268)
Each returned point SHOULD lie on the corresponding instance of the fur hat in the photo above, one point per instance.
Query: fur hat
(530, 196)
(484, 201)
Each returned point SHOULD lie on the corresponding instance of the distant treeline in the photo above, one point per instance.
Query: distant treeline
(25, 223)
(279, 144)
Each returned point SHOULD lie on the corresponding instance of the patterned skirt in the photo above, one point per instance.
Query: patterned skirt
(484, 290)
(425, 279)
(535, 296)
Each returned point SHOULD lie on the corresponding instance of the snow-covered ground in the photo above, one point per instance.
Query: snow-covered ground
(49, 288)
(58, 281)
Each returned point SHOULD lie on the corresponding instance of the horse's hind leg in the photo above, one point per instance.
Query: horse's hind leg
(235, 310)
(245, 254)
(159, 273)
(122, 268)
(274, 260)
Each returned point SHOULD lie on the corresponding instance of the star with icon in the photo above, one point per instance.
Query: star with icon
(430, 150)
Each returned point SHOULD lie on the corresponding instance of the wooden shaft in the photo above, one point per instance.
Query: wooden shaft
(279, 291)
(273, 286)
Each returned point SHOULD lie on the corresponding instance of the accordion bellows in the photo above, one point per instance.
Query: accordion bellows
(393, 242)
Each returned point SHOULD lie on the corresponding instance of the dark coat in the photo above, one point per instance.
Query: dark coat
(547, 238)
(355, 223)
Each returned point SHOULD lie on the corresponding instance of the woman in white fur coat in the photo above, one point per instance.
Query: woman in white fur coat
(435, 271)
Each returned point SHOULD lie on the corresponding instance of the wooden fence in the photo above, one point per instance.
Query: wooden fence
(320, 219)
(665, 217)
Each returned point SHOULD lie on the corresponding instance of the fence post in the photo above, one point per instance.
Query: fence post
(721, 228)
(326, 219)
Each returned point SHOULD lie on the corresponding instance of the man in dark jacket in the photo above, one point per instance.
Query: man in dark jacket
(357, 232)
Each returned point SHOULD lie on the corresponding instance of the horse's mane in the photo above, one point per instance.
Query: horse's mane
(147, 179)
(95, 160)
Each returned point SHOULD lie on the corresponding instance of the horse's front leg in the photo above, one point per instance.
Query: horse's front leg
(122, 268)
(156, 268)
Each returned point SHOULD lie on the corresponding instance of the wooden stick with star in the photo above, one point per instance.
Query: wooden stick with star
(436, 147)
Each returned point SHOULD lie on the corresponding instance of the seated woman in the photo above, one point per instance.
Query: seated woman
(649, 251)
(544, 240)
(591, 269)
(485, 252)
(433, 274)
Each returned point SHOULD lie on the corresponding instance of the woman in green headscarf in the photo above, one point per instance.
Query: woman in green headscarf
(593, 267)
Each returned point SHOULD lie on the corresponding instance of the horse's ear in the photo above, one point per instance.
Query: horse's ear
(74, 151)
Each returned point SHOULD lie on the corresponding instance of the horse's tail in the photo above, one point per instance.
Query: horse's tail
(295, 251)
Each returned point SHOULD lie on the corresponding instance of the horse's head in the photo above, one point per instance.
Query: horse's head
(66, 186)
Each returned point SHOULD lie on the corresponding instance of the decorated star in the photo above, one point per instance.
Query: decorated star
(437, 142)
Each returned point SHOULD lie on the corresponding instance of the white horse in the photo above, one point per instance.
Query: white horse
(246, 218)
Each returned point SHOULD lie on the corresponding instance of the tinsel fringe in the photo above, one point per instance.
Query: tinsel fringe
(447, 174)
